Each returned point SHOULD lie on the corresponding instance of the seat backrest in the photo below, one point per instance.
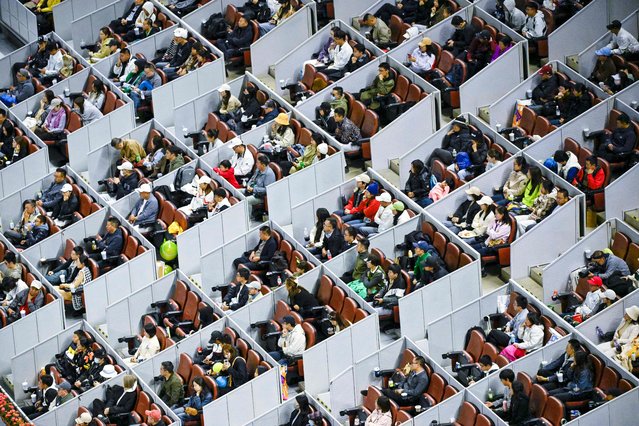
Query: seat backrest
(619, 246)
(527, 122)
(109, 102)
(428, 229)
(526, 381)
(538, 397)
(395, 24)
(252, 361)
(464, 259)
(348, 311)
(452, 256)
(446, 61)
(370, 125)
(242, 347)
(143, 403)
(407, 357)
(414, 92)
(311, 334)
(191, 306)
(554, 411)
(131, 247)
(467, 414)
(583, 154)
(309, 76)
(490, 350)
(632, 257)
(609, 379)
(356, 114)
(74, 122)
(436, 387)
(337, 299)
(542, 126)
(180, 293)
(448, 392)
(481, 419)
(325, 290)
(184, 367)
(572, 145)
(475, 344)
(401, 87)
(439, 242)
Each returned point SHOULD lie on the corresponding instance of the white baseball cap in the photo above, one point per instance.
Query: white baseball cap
(66, 188)
(108, 371)
(125, 166)
(204, 180)
(145, 187)
(181, 32)
(36, 284)
(224, 88)
(234, 142)
(384, 197)
(363, 178)
(84, 418)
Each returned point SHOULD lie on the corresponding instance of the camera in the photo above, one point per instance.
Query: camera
(192, 134)
(102, 182)
(158, 379)
(31, 389)
(590, 268)
(445, 356)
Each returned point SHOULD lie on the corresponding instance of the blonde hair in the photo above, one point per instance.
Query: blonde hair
(129, 381)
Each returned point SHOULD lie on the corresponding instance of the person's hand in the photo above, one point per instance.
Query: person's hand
(249, 189)
(106, 411)
(190, 411)
(5, 303)
(541, 379)
(11, 311)
(411, 194)
(412, 58)
(77, 384)
(398, 391)
(12, 88)
(115, 180)
(123, 21)
(284, 332)
(400, 5)
(449, 43)
(324, 252)
(132, 219)
(610, 147)
(590, 275)
(63, 286)
(296, 307)
(474, 146)
(133, 360)
(488, 404)
(23, 242)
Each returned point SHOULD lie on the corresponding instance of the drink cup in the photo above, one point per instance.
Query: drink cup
(104, 255)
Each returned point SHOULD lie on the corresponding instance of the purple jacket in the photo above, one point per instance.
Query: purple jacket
(56, 120)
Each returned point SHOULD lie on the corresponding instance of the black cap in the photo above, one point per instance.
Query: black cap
(289, 320)
(215, 335)
(614, 25)
(484, 35)
(99, 353)
(270, 104)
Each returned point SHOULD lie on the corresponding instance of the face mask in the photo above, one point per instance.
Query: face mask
(97, 360)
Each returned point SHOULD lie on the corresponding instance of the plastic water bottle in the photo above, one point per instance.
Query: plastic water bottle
(12, 225)
(279, 280)
(329, 255)
(306, 234)
(557, 113)
(356, 422)
(490, 394)
(454, 153)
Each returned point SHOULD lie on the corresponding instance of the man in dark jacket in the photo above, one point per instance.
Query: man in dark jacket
(118, 402)
(615, 146)
(53, 194)
(358, 59)
(573, 104)
(67, 268)
(119, 187)
(97, 372)
(418, 183)
(550, 374)
(37, 61)
(259, 257)
(45, 396)
(465, 213)
(413, 385)
(452, 144)
(63, 211)
(171, 391)
(333, 240)
(22, 90)
(39, 232)
(127, 21)
(111, 243)
(546, 90)
(28, 301)
(238, 38)
(237, 295)
(461, 38)
(183, 50)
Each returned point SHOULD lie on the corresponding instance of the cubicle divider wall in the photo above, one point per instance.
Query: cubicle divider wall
(309, 182)
(290, 68)
(282, 39)
(19, 20)
(69, 10)
(618, 199)
(586, 59)
(555, 275)
(447, 411)
(345, 10)
(282, 413)
(501, 111)
(85, 28)
(618, 411)
(196, 18)
(585, 27)
(630, 96)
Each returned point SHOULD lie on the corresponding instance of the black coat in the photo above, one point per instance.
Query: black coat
(237, 372)
(112, 243)
(126, 185)
(466, 211)
(117, 405)
(64, 209)
(304, 299)
(519, 410)
(268, 251)
(462, 38)
(135, 15)
(182, 54)
(546, 89)
(418, 184)
(575, 106)
(456, 141)
(240, 37)
(334, 244)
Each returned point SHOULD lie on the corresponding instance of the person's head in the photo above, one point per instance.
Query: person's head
(219, 194)
(532, 319)
(105, 32)
(149, 69)
(504, 42)
(224, 165)
(339, 37)
(431, 265)
(362, 181)
(394, 270)
(291, 286)
(417, 166)
(358, 50)
(458, 22)
(321, 215)
(83, 343)
(519, 164)
(520, 303)
(578, 89)
(337, 92)
(29, 206)
(501, 214)
(78, 104)
(581, 360)
(3, 115)
(486, 204)
(180, 35)
(614, 27)
(52, 48)
(398, 208)
(206, 315)
(493, 156)
(362, 245)
(48, 96)
(56, 104)
(546, 187)
(561, 157)
(369, 20)
(448, 183)
(350, 234)
(532, 8)
(562, 196)
(373, 261)
(507, 377)
(572, 347)
(82, 261)
(425, 44)
(383, 70)
(166, 369)
(485, 362)
(125, 55)
(384, 199)
(265, 233)
(596, 283)
(10, 259)
(623, 121)
(383, 404)
(112, 224)
(599, 257)
(418, 364)
(420, 247)
(535, 176)
(591, 162)
(288, 322)
(339, 114)
(84, 419)
(45, 382)
(243, 275)
(22, 75)
(198, 384)
(262, 162)
(149, 330)
(8, 284)
(19, 142)
(40, 220)
(329, 225)
(64, 389)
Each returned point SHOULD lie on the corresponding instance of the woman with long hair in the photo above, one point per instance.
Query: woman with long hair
(498, 232)
(301, 300)
(199, 398)
(316, 235)
(581, 385)
(532, 339)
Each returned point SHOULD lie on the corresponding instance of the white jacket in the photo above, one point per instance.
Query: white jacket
(54, 64)
(533, 338)
(590, 303)
(341, 55)
(243, 165)
(628, 333)
(311, 237)
(535, 26)
(148, 348)
(514, 17)
(294, 343)
(403, 218)
(384, 217)
(573, 161)
(130, 67)
(480, 223)
(623, 42)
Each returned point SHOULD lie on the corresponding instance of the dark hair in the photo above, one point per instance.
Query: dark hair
(79, 101)
(560, 156)
(420, 360)
(350, 231)
(149, 329)
(494, 154)
(521, 301)
(504, 212)
(115, 142)
(244, 273)
(506, 40)
(168, 366)
(200, 382)
(450, 182)
(592, 159)
(340, 90)
(365, 242)
(322, 214)
(206, 315)
(521, 161)
(332, 221)
(220, 192)
(395, 268)
(51, 46)
(149, 65)
(581, 362)
(547, 185)
(9, 283)
(359, 47)
(368, 16)
(47, 379)
(42, 218)
(263, 159)
(384, 65)
(340, 34)
(485, 360)
(98, 86)
(576, 344)
(623, 117)
(340, 111)
(212, 133)
(318, 138)
(579, 87)
(288, 320)
(265, 229)
(563, 192)
(418, 165)
(84, 342)
(533, 5)
(174, 150)
(225, 163)
(507, 374)
(49, 95)
(83, 259)
(535, 178)
(374, 259)
(302, 401)
(383, 403)
(106, 31)
(598, 254)
(518, 388)
(114, 221)
(3, 112)
(533, 318)
(125, 50)
(10, 257)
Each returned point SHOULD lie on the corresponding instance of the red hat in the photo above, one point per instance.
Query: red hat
(595, 281)
(546, 69)
(154, 414)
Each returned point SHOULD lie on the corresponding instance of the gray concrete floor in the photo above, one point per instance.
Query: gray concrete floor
(6, 45)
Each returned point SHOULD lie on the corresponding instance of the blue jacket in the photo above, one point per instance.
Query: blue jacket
(415, 384)
(150, 212)
(112, 243)
(583, 381)
(52, 195)
(260, 180)
(198, 402)
(37, 234)
(268, 117)
(560, 364)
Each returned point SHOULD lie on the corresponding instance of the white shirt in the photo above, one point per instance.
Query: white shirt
(533, 338)
(623, 42)
(130, 67)
(534, 26)
(341, 55)
(423, 61)
(148, 348)
(20, 285)
(384, 217)
(403, 218)
(54, 64)
(593, 298)
(243, 164)
(294, 343)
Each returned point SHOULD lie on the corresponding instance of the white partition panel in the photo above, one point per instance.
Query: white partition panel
(284, 38)
(618, 198)
(19, 20)
(24, 172)
(70, 10)
(85, 28)
(347, 9)
(547, 240)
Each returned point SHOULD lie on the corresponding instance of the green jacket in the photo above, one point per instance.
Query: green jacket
(360, 265)
(172, 391)
(378, 88)
(340, 103)
(529, 195)
(419, 265)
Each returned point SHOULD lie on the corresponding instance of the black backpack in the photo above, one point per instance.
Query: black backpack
(264, 14)
(214, 27)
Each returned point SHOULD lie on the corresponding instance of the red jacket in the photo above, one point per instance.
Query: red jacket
(229, 175)
(359, 194)
(371, 206)
(595, 180)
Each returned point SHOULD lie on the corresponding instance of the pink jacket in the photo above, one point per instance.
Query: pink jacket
(498, 231)
(438, 192)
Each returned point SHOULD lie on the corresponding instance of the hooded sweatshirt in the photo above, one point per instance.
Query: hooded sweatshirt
(572, 167)
(514, 17)
(535, 26)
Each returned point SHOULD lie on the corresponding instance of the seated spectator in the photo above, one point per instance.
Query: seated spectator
(144, 90)
(504, 43)
(372, 281)
(238, 294)
(220, 202)
(271, 111)
(284, 11)
(27, 221)
(545, 92)
(531, 339)
(291, 343)
(350, 237)
(280, 134)
(157, 148)
(339, 56)
(255, 191)
(452, 143)
(464, 33)
(227, 171)
(21, 91)
(63, 212)
(568, 164)
(580, 386)
(388, 297)
(400, 214)
(40, 111)
(604, 67)
(34, 62)
(301, 300)
(314, 152)
(51, 72)
(38, 232)
(618, 145)
(590, 304)
(543, 205)
(418, 183)
(478, 225)
(623, 42)
(99, 372)
(44, 397)
(381, 415)
(404, 9)
(571, 104)
(507, 12)
(612, 270)
(409, 390)
(7, 134)
(122, 67)
(233, 369)
(483, 368)
(147, 30)
(54, 124)
(19, 150)
(202, 196)
(182, 7)
(470, 161)
(173, 159)
(359, 58)
(511, 332)
(465, 213)
(103, 47)
(229, 105)
(25, 302)
(171, 392)
(133, 78)
(431, 271)
(361, 181)
(149, 346)
(346, 132)
(251, 109)
(127, 21)
(10, 288)
(422, 57)
(360, 261)
(238, 38)
(439, 191)
(535, 23)
(119, 187)
(242, 161)
(118, 400)
(530, 194)
(498, 232)
(374, 95)
(379, 32)
(109, 244)
(258, 258)
(552, 375)
(333, 243)
(67, 270)
(383, 218)
(74, 290)
(515, 185)
(590, 178)
(365, 212)
(86, 110)
(315, 238)
(300, 415)
(624, 334)
(145, 211)
(10, 267)
(200, 396)
(479, 52)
